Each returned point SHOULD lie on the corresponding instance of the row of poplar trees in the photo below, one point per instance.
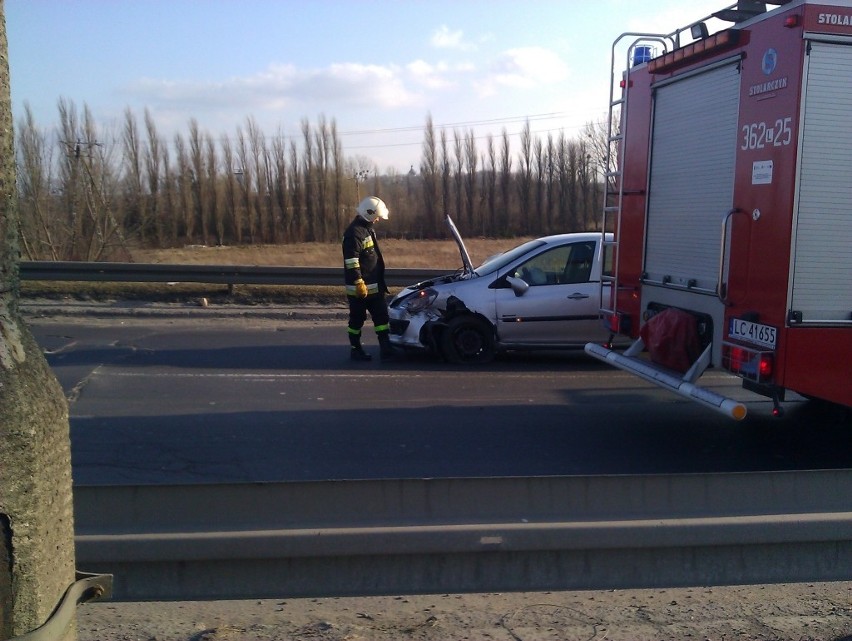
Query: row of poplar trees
(90, 194)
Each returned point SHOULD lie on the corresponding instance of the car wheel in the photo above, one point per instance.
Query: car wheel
(467, 340)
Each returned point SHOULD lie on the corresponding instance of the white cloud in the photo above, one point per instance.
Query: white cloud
(524, 68)
(443, 38)
(365, 85)
(431, 76)
(334, 88)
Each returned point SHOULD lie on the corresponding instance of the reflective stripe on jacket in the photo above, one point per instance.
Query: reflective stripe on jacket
(362, 258)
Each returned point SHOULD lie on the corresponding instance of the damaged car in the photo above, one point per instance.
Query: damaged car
(543, 294)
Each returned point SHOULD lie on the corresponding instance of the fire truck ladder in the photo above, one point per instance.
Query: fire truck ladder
(638, 52)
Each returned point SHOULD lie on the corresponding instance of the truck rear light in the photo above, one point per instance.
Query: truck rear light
(752, 364)
(766, 366)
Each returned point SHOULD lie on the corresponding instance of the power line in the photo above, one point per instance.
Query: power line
(223, 138)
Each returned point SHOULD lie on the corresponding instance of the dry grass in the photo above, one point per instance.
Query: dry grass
(425, 254)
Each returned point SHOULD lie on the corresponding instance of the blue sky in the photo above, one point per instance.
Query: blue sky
(376, 67)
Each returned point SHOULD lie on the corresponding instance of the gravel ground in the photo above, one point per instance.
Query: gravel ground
(784, 612)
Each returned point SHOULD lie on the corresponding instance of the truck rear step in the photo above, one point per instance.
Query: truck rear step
(682, 385)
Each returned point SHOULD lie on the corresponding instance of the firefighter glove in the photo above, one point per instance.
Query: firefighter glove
(360, 288)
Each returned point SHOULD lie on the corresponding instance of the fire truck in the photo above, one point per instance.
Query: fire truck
(729, 192)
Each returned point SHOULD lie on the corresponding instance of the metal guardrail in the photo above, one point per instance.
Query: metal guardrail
(394, 536)
(218, 274)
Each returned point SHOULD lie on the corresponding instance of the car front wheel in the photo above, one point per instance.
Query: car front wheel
(468, 340)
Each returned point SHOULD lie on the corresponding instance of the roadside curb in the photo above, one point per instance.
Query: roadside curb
(35, 309)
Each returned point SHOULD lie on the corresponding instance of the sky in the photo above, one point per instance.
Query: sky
(377, 68)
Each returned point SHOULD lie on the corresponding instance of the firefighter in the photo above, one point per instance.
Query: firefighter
(364, 271)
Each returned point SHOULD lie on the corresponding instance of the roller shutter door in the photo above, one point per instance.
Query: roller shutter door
(822, 254)
(692, 176)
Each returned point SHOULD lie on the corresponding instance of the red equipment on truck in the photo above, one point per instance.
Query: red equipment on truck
(729, 192)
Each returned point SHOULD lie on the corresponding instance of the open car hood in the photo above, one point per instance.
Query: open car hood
(468, 266)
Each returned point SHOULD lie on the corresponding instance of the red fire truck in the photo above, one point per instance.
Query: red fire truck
(729, 192)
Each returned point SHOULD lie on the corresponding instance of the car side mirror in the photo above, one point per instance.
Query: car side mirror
(518, 285)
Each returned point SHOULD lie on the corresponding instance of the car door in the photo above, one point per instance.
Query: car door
(561, 305)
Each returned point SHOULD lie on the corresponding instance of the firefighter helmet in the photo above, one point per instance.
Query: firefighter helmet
(372, 208)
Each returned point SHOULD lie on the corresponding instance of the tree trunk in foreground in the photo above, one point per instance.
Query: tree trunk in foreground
(36, 512)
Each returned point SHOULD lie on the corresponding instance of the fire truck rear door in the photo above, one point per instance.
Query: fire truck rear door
(694, 144)
(821, 287)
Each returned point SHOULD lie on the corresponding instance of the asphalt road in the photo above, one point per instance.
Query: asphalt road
(209, 400)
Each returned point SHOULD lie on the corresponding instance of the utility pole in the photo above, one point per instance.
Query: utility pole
(36, 513)
(359, 177)
(101, 219)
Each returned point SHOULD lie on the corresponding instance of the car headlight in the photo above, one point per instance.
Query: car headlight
(420, 301)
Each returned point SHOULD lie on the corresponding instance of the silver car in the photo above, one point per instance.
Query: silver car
(542, 294)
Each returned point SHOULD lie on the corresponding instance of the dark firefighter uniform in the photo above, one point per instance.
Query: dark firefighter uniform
(364, 270)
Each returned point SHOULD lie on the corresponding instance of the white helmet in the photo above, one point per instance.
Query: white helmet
(371, 208)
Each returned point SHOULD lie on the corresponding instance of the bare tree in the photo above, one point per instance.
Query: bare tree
(445, 173)
(79, 204)
(245, 173)
(586, 213)
(539, 184)
(458, 178)
(598, 140)
(470, 170)
(563, 173)
(171, 209)
(574, 203)
(97, 225)
(338, 164)
(200, 191)
(135, 205)
(310, 181)
(69, 183)
(213, 207)
(296, 194)
(322, 177)
(282, 194)
(550, 185)
(525, 178)
(429, 172)
(489, 181)
(154, 168)
(259, 186)
(232, 217)
(604, 161)
(503, 221)
(37, 222)
(184, 197)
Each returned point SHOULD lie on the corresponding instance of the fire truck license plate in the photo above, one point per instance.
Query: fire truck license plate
(762, 335)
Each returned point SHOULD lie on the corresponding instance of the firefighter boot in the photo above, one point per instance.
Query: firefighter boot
(388, 351)
(356, 352)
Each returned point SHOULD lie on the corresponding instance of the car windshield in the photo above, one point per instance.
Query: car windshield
(495, 263)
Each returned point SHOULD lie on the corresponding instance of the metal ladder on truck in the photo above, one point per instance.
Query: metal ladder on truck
(614, 160)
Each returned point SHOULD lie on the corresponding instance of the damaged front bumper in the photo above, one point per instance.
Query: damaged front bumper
(414, 331)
